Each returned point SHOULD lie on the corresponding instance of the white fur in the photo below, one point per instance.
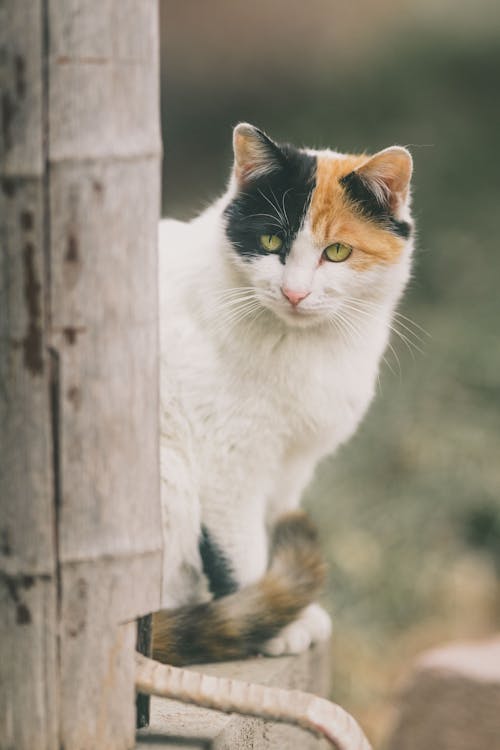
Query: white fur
(312, 626)
(249, 406)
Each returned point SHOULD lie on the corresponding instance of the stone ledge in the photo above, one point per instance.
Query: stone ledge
(452, 700)
(176, 726)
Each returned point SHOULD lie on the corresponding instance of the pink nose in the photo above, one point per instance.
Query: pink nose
(293, 296)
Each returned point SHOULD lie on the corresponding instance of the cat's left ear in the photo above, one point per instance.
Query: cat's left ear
(255, 154)
(387, 175)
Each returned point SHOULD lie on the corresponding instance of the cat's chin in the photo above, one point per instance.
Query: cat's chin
(294, 317)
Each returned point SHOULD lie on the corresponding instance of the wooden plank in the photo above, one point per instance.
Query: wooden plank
(104, 83)
(26, 483)
(28, 663)
(104, 207)
(21, 76)
(103, 218)
(97, 672)
(110, 544)
(28, 586)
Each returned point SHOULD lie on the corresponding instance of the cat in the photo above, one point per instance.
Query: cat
(275, 311)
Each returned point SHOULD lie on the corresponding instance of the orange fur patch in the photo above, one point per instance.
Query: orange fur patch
(334, 218)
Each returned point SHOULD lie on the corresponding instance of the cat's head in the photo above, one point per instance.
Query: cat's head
(316, 232)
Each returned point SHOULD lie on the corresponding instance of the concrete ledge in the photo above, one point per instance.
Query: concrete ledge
(452, 701)
(175, 726)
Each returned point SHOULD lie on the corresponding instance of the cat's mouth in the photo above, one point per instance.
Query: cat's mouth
(298, 315)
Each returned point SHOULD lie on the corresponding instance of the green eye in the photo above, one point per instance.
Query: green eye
(271, 243)
(337, 252)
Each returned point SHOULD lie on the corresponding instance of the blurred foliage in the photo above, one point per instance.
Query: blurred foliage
(410, 508)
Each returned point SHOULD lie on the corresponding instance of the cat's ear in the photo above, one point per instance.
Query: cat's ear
(254, 153)
(387, 175)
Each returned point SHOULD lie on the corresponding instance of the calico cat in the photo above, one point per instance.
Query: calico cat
(275, 310)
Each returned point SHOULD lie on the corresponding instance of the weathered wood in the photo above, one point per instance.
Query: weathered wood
(104, 205)
(29, 714)
(80, 540)
(104, 254)
(28, 663)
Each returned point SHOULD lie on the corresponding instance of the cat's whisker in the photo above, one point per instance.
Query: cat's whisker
(348, 325)
(272, 221)
(275, 208)
(397, 313)
(409, 342)
(396, 357)
(234, 290)
(408, 322)
(388, 364)
(229, 320)
(410, 345)
(389, 345)
(226, 306)
(253, 320)
(339, 329)
(231, 301)
(233, 309)
(283, 205)
(409, 330)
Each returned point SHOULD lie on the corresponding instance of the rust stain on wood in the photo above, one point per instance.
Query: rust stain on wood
(14, 584)
(71, 333)
(72, 260)
(23, 615)
(20, 76)
(26, 220)
(32, 342)
(67, 60)
(5, 543)
(77, 608)
(9, 186)
(7, 118)
(71, 249)
(74, 396)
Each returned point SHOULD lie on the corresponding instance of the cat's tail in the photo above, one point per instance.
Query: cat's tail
(237, 625)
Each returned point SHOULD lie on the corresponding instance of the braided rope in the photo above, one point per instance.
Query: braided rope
(294, 707)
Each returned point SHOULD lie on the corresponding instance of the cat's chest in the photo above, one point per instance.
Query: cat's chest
(311, 393)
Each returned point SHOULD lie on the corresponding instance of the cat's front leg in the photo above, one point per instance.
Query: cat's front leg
(234, 546)
(312, 626)
(314, 623)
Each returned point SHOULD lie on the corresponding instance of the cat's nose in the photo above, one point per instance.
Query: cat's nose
(293, 296)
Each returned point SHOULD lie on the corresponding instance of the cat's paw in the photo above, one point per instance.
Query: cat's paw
(312, 626)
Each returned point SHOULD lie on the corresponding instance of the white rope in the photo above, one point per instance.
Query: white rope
(295, 707)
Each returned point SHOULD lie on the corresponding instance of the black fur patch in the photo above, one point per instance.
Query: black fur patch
(274, 203)
(216, 566)
(358, 191)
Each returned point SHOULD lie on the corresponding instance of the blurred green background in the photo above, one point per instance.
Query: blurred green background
(410, 508)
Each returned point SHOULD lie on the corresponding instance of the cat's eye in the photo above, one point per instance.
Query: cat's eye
(337, 252)
(271, 243)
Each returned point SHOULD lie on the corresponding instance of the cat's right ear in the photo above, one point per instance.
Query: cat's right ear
(254, 153)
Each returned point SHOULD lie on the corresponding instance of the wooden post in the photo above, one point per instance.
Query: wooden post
(144, 646)
(80, 542)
